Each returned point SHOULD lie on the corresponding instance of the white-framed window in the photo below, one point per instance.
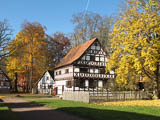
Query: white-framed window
(47, 78)
(87, 57)
(86, 83)
(98, 47)
(96, 71)
(101, 58)
(83, 58)
(43, 80)
(93, 47)
(111, 72)
(91, 70)
(100, 83)
(76, 69)
(97, 58)
(106, 59)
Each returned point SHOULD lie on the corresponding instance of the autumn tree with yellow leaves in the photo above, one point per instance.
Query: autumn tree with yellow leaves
(135, 44)
(28, 54)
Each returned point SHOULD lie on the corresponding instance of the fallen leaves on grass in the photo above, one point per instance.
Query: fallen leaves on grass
(2, 97)
(155, 103)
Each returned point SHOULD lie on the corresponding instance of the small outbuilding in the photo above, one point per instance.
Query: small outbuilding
(5, 83)
(46, 83)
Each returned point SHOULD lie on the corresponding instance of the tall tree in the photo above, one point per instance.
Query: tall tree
(136, 44)
(28, 53)
(89, 26)
(58, 46)
(5, 38)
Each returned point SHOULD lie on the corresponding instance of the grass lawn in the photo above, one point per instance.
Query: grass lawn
(6, 113)
(102, 112)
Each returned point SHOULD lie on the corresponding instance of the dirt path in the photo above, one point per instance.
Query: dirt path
(33, 111)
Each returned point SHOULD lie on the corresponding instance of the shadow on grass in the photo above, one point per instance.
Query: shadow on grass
(23, 105)
(100, 114)
(84, 112)
(34, 114)
(1, 100)
(6, 113)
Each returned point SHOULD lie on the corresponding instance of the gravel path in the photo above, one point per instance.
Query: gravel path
(33, 111)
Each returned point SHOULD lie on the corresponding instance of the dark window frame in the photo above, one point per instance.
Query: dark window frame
(83, 70)
(66, 71)
(69, 84)
(92, 58)
(95, 44)
(102, 71)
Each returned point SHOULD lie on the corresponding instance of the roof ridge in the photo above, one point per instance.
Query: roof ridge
(85, 42)
(75, 53)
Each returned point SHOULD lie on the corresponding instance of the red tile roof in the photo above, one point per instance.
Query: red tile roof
(75, 53)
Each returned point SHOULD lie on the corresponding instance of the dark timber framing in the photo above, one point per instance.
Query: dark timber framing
(92, 64)
(88, 67)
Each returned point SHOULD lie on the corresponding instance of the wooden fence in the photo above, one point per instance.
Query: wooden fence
(117, 96)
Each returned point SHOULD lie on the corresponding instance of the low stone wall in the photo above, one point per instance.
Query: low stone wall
(89, 97)
(81, 96)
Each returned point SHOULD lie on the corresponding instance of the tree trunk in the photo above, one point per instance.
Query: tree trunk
(31, 72)
(15, 84)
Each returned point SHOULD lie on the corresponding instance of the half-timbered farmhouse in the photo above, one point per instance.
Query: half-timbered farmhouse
(46, 82)
(83, 68)
(4, 82)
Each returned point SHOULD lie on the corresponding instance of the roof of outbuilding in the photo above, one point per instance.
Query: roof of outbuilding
(75, 53)
(51, 73)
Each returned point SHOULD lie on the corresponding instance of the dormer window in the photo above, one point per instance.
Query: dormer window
(93, 47)
(98, 47)
(87, 57)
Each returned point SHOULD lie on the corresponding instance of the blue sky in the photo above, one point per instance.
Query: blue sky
(54, 14)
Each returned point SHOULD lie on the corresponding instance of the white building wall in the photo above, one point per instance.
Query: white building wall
(50, 81)
(63, 74)
(61, 85)
(61, 79)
